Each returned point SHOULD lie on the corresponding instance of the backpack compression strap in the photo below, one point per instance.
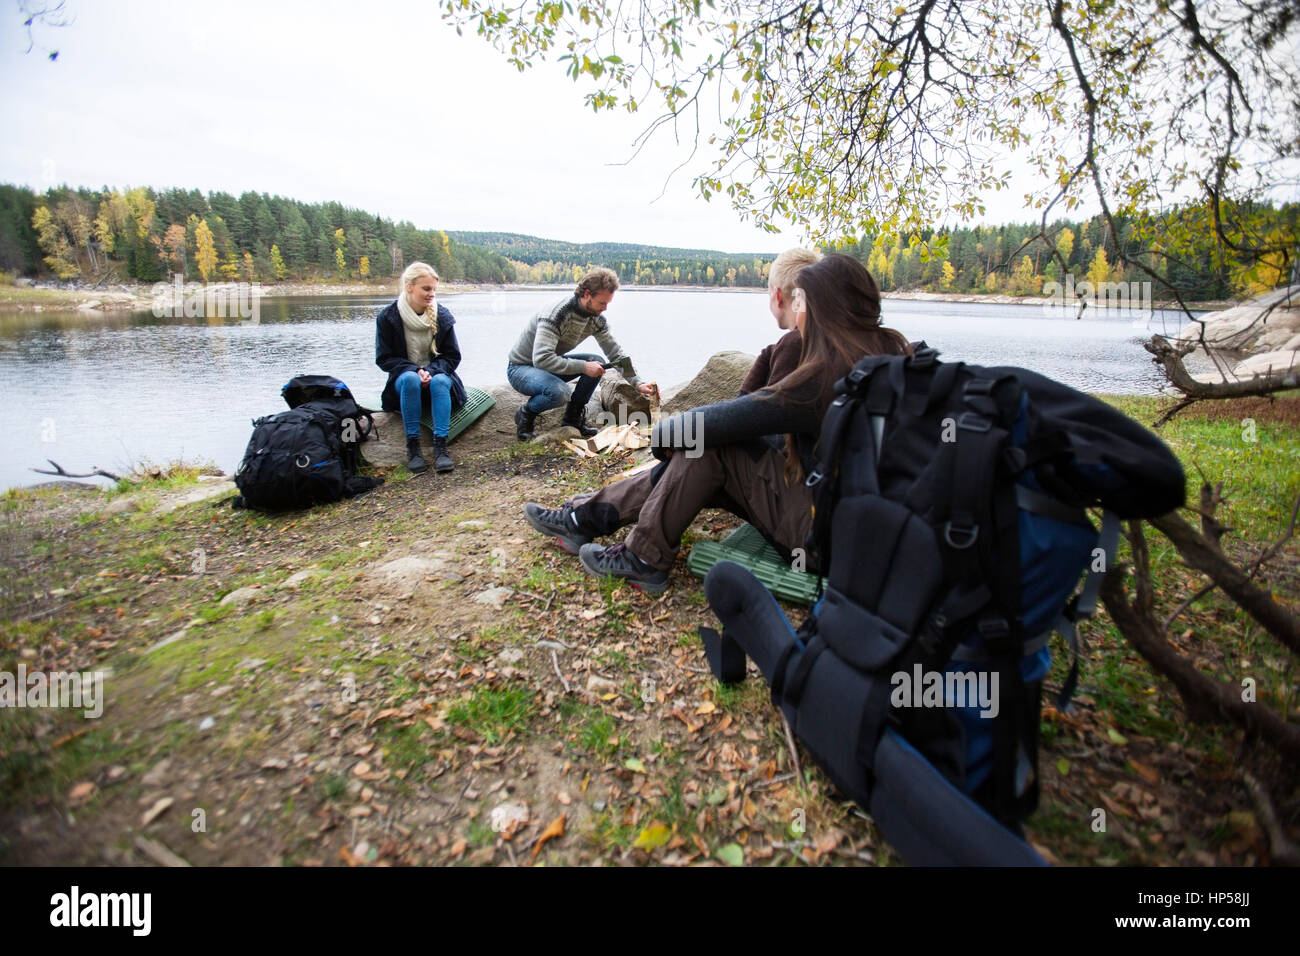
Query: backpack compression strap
(1084, 605)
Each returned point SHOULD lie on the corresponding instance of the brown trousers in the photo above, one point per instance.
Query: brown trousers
(728, 477)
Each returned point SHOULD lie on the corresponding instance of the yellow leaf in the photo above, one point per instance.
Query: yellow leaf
(652, 837)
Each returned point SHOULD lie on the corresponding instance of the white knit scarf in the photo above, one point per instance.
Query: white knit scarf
(420, 330)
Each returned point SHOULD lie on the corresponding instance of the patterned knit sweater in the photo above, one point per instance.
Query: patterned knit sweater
(549, 335)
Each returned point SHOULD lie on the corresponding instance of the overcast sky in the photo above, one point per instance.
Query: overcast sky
(379, 106)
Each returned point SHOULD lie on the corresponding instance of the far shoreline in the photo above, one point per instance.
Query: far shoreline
(36, 297)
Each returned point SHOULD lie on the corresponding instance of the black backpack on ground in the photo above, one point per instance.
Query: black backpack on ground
(309, 454)
(949, 523)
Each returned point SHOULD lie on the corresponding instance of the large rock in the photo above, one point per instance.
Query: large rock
(1268, 363)
(719, 380)
(1265, 322)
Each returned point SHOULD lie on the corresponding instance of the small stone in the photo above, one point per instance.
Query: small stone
(250, 664)
(240, 596)
(507, 818)
(405, 574)
(293, 580)
(495, 596)
(473, 525)
(207, 723)
(169, 639)
(511, 655)
(601, 685)
(155, 811)
(156, 776)
(122, 505)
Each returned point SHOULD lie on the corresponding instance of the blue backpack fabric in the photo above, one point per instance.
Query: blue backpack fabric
(950, 528)
(309, 454)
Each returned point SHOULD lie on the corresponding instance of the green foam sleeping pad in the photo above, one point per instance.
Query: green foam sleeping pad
(750, 550)
(477, 403)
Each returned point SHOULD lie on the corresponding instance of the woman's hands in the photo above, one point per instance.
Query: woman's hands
(425, 377)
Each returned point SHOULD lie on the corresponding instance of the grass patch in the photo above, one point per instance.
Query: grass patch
(598, 736)
(404, 747)
(494, 714)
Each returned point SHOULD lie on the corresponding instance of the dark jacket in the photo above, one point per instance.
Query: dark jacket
(390, 355)
(774, 363)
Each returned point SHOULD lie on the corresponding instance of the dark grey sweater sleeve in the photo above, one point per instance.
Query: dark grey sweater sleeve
(735, 421)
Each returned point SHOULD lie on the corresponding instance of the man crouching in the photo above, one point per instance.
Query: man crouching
(541, 362)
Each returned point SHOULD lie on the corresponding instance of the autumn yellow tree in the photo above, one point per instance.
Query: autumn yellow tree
(229, 267)
(278, 268)
(59, 255)
(1099, 271)
(340, 262)
(949, 273)
(205, 250)
(1023, 280)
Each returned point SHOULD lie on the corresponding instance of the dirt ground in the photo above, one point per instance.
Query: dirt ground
(416, 677)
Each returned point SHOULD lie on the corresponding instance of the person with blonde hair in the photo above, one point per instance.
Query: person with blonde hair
(415, 343)
(779, 359)
(541, 361)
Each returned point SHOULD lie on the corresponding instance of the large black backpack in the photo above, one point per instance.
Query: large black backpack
(309, 454)
(949, 523)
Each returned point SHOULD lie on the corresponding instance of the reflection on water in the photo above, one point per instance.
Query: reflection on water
(110, 390)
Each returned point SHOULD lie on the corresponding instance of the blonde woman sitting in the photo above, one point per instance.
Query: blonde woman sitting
(415, 343)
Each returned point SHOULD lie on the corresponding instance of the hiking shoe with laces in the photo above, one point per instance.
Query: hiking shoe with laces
(618, 561)
(558, 524)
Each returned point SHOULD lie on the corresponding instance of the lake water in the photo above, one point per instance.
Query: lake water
(112, 390)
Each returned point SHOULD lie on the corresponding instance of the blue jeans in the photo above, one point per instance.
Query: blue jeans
(414, 395)
(548, 390)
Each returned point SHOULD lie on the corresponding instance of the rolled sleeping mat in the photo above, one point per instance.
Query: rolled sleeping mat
(929, 822)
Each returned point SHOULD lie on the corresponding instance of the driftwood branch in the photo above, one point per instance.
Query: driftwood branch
(1236, 583)
(1171, 360)
(95, 471)
(1173, 410)
(1206, 699)
(1211, 498)
(1281, 851)
(1251, 570)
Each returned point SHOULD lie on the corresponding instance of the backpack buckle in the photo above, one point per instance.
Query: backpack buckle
(924, 357)
(814, 479)
(966, 535)
(973, 422)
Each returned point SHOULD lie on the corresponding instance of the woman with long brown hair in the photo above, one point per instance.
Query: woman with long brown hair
(716, 456)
